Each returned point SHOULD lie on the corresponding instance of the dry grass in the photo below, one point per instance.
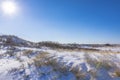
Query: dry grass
(115, 73)
(44, 59)
(78, 50)
(79, 75)
(41, 59)
(27, 52)
(100, 62)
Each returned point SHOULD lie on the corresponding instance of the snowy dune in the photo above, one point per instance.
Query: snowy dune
(26, 63)
(25, 60)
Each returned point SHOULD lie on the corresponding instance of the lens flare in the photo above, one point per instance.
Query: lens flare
(9, 7)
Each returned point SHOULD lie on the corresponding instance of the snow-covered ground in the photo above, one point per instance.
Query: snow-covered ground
(104, 48)
(24, 63)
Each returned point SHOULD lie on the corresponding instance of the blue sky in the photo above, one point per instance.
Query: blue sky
(66, 21)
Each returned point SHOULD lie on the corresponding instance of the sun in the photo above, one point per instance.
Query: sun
(9, 7)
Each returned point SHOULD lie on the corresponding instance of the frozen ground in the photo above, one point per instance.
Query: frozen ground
(24, 63)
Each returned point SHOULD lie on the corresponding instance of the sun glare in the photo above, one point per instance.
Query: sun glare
(9, 7)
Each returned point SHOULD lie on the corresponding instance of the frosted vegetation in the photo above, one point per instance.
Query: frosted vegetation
(24, 60)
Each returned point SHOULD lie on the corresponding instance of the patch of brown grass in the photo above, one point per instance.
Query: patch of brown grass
(117, 73)
(41, 59)
(27, 52)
